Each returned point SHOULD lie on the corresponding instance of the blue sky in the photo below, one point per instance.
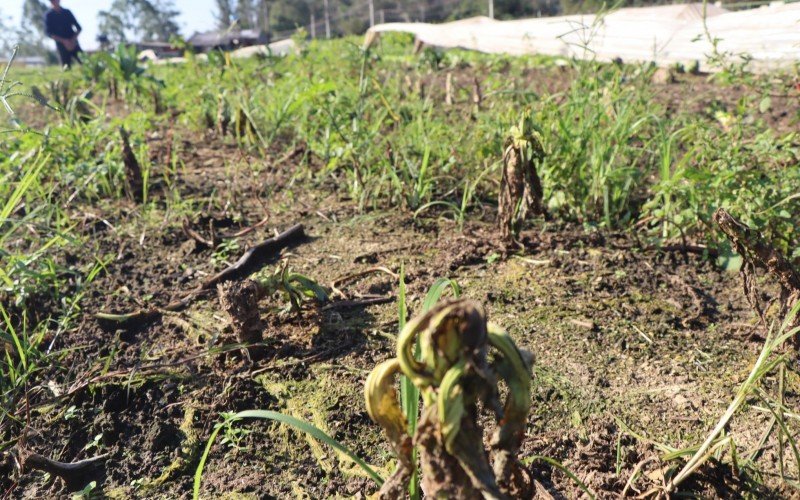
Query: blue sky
(196, 15)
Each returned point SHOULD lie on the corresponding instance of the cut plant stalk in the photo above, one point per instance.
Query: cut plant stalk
(454, 375)
(75, 474)
(239, 299)
(134, 181)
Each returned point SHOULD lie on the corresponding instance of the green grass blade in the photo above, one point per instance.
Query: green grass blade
(298, 424)
(558, 465)
(24, 184)
(781, 423)
(437, 290)
(17, 343)
(409, 394)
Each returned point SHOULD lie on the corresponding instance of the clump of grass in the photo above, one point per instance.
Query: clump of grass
(40, 296)
(770, 361)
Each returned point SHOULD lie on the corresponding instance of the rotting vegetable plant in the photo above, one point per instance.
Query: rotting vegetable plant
(520, 188)
(757, 252)
(456, 377)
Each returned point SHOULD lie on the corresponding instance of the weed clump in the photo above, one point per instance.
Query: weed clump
(456, 377)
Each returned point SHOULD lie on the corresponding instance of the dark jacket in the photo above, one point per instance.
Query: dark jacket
(61, 23)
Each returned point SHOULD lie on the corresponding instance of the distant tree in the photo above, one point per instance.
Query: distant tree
(6, 41)
(30, 32)
(33, 12)
(287, 16)
(225, 13)
(247, 13)
(158, 20)
(152, 20)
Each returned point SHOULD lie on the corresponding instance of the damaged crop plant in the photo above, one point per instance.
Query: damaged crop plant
(328, 274)
(455, 378)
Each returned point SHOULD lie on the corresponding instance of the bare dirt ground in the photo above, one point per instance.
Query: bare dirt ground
(625, 339)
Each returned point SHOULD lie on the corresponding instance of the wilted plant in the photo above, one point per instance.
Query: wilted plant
(240, 298)
(454, 375)
(520, 189)
(757, 252)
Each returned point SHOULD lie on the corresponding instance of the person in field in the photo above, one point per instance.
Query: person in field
(61, 26)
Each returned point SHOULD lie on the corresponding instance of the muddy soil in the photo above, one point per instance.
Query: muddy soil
(626, 340)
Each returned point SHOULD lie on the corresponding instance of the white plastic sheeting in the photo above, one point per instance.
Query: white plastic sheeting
(665, 34)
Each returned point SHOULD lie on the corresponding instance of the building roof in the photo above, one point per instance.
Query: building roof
(220, 38)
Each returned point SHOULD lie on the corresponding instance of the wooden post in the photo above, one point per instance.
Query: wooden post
(382, 16)
(313, 26)
(491, 9)
(327, 20)
(371, 13)
(265, 20)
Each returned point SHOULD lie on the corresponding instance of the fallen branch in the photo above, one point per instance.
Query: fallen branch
(250, 262)
(215, 238)
(191, 233)
(75, 475)
(247, 230)
(256, 256)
